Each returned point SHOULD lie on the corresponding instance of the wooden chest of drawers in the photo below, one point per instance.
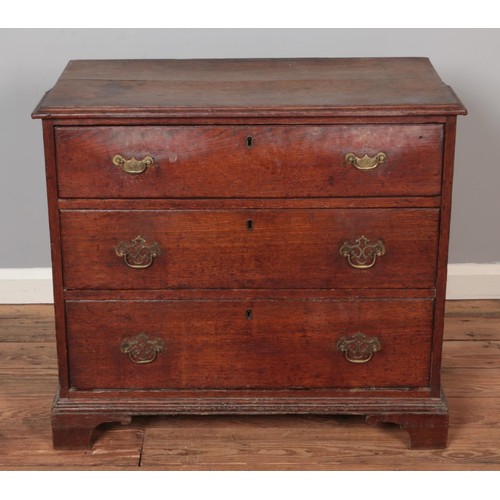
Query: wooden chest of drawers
(249, 236)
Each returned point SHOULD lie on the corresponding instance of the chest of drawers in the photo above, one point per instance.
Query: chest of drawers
(249, 236)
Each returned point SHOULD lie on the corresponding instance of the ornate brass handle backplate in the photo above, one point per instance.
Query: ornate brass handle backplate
(358, 348)
(366, 162)
(360, 253)
(141, 349)
(138, 254)
(133, 166)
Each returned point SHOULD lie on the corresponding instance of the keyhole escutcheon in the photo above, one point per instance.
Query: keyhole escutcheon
(248, 314)
(249, 141)
(249, 224)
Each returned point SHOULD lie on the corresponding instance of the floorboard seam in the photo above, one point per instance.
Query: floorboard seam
(141, 451)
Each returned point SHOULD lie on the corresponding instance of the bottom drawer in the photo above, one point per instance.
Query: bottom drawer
(249, 344)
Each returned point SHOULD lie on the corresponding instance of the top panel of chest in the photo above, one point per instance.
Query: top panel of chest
(249, 87)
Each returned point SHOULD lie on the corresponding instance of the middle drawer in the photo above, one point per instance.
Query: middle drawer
(251, 248)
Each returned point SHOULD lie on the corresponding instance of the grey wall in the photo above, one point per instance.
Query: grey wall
(31, 61)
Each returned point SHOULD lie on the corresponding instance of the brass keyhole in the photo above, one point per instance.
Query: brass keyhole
(249, 141)
(250, 224)
(248, 314)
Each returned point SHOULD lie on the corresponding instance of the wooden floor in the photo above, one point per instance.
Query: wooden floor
(471, 378)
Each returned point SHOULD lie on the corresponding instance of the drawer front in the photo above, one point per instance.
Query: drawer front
(249, 344)
(262, 248)
(249, 161)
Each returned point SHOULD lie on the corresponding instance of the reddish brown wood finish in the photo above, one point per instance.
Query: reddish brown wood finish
(193, 117)
(424, 431)
(28, 376)
(444, 236)
(55, 247)
(285, 248)
(214, 345)
(283, 161)
(264, 88)
(246, 203)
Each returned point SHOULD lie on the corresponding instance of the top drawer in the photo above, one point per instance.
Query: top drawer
(249, 161)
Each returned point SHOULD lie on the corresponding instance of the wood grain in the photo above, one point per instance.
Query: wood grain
(281, 248)
(473, 308)
(249, 443)
(283, 161)
(251, 87)
(28, 381)
(472, 327)
(470, 383)
(214, 249)
(26, 323)
(479, 354)
(286, 344)
(27, 358)
(309, 443)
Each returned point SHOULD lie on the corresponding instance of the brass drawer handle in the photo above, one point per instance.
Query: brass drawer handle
(360, 253)
(133, 166)
(358, 348)
(138, 254)
(141, 349)
(366, 162)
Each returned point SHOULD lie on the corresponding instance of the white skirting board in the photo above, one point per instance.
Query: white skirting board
(26, 286)
(34, 285)
(473, 281)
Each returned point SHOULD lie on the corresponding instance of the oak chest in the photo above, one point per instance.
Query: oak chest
(249, 236)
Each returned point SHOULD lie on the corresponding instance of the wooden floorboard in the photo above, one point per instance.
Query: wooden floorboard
(470, 374)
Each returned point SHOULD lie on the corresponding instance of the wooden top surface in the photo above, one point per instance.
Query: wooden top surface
(249, 87)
